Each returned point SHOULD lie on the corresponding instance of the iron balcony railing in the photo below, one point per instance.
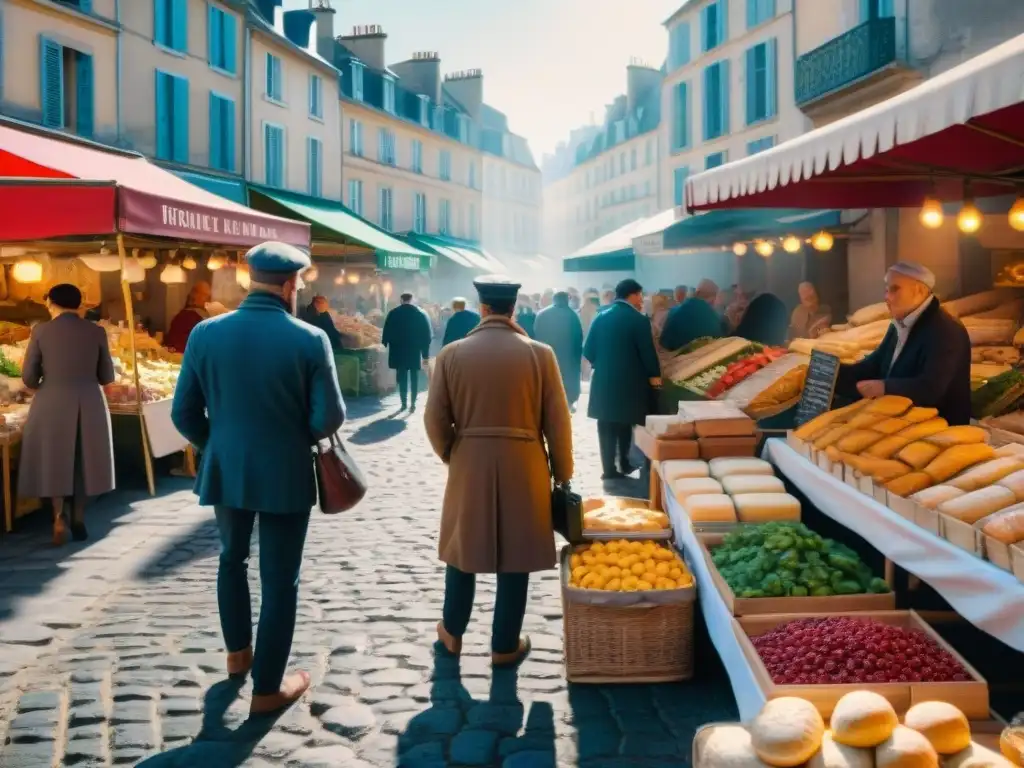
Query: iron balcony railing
(846, 59)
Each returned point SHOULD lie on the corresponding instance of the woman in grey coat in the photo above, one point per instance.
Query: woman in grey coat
(66, 449)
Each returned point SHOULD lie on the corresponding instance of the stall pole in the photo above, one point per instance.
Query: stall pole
(8, 495)
(130, 314)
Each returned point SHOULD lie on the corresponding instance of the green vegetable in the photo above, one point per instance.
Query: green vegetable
(8, 368)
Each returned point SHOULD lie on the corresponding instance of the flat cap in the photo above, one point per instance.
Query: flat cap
(275, 263)
(493, 288)
(914, 271)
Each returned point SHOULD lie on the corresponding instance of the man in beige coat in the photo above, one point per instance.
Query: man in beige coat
(498, 417)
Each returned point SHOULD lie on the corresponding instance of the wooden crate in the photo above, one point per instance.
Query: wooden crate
(903, 507)
(656, 449)
(971, 697)
(961, 534)
(1017, 561)
(754, 606)
(997, 552)
(656, 490)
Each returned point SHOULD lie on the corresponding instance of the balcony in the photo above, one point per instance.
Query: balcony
(866, 55)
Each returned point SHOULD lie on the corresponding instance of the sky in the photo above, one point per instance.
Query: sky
(550, 65)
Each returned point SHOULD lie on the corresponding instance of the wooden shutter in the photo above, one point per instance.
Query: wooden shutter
(722, 21)
(772, 77)
(752, 13)
(160, 31)
(179, 150)
(215, 36)
(84, 98)
(51, 81)
(216, 131)
(725, 93)
(179, 25)
(866, 8)
(230, 42)
(227, 124)
(163, 116)
(710, 104)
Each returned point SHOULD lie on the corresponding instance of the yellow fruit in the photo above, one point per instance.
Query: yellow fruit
(588, 558)
(601, 558)
(642, 585)
(638, 569)
(614, 571)
(675, 574)
(613, 585)
(588, 581)
(597, 546)
(575, 562)
(598, 582)
(649, 564)
(663, 554)
(662, 569)
(649, 577)
(629, 583)
(611, 547)
(625, 563)
(579, 572)
(636, 547)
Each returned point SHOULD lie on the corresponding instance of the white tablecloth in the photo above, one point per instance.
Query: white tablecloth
(987, 596)
(717, 616)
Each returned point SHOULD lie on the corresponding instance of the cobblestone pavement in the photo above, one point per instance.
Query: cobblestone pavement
(110, 652)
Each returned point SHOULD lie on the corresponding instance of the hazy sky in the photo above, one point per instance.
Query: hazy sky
(548, 64)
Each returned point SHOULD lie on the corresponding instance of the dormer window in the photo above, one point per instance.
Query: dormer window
(464, 129)
(424, 111)
(389, 94)
(357, 80)
(438, 118)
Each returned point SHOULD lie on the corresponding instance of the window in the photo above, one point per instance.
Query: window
(876, 9)
(679, 176)
(275, 78)
(273, 155)
(171, 117)
(714, 160)
(647, 189)
(760, 145)
(716, 100)
(680, 116)
(759, 11)
(473, 235)
(385, 146)
(472, 175)
(357, 80)
(424, 110)
(714, 29)
(444, 217)
(222, 133)
(762, 61)
(222, 40)
(385, 208)
(66, 88)
(679, 46)
(649, 152)
(632, 159)
(464, 129)
(444, 163)
(170, 24)
(389, 95)
(355, 196)
(316, 97)
(416, 166)
(314, 167)
(622, 163)
(355, 137)
(419, 212)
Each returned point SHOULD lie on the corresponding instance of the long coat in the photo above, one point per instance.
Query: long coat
(407, 335)
(459, 325)
(495, 399)
(257, 389)
(693, 319)
(933, 369)
(68, 362)
(620, 346)
(560, 328)
(527, 319)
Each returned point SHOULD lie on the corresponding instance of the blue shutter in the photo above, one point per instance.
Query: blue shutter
(179, 150)
(865, 10)
(752, 13)
(179, 25)
(751, 78)
(886, 8)
(705, 31)
(85, 6)
(51, 80)
(228, 127)
(163, 116)
(710, 104)
(724, 94)
(216, 132)
(160, 21)
(772, 69)
(722, 32)
(215, 36)
(230, 42)
(84, 96)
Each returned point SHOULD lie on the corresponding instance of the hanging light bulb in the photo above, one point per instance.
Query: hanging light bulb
(189, 262)
(242, 276)
(823, 241)
(311, 274)
(791, 244)
(133, 271)
(216, 261)
(931, 215)
(339, 279)
(740, 249)
(172, 274)
(148, 260)
(353, 279)
(969, 219)
(386, 289)
(27, 271)
(764, 248)
(1017, 214)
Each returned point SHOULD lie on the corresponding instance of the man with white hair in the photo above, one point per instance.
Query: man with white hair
(694, 319)
(460, 323)
(925, 355)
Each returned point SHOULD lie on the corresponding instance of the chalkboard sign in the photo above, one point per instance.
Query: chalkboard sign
(819, 387)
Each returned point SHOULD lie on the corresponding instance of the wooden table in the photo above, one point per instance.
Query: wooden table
(8, 439)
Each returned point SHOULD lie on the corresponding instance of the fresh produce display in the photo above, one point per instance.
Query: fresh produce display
(842, 650)
(777, 384)
(703, 382)
(357, 333)
(694, 345)
(626, 520)
(997, 395)
(13, 333)
(628, 566)
(742, 369)
(8, 367)
(791, 560)
(682, 368)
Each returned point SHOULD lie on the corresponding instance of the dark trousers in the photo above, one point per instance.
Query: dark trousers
(408, 380)
(509, 606)
(614, 440)
(280, 558)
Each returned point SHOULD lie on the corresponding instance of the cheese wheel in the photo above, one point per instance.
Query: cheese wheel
(863, 719)
(858, 441)
(906, 748)
(710, 508)
(737, 484)
(766, 507)
(942, 724)
(890, 405)
(917, 415)
(787, 731)
(977, 756)
(956, 459)
(919, 454)
(1015, 482)
(925, 429)
(930, 498)
(685, 487)
(973, 506)
(908, 484)
(729, 746)
(728, 465)
(985, 474)
(677, 468)
(835, 755)
(963, 435)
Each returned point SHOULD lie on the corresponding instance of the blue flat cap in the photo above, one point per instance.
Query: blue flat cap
(275, 263)
(491, 288)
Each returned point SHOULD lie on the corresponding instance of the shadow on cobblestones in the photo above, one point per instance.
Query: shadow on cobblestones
(378, 430)
(196, 543)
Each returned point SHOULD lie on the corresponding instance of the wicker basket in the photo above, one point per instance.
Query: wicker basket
(640, 643)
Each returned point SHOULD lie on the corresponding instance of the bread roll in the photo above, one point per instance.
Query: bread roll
(919, 454)
(863, 719)
(973, 506)
(918, 415)
(977, 756)
(887, 447)
(986, 473)
(1015, 482)
(1011, 449)
(906, 748)
(835, 755)
(956, 459)
(1006, 525)
(858, 441)
(727, 465)
(864, 420)
(932, 497)
(729, 746)
(925, 429)
(908, 484)
(891, 426)
(942, 724)
(890, 405)
(685, 487)
(787, 731)
(963, 435)
(737, 484)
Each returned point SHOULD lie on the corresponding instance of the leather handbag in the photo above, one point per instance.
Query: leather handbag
(567, 513)
(339, 482)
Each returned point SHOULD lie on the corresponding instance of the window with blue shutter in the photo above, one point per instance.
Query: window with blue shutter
(222, 40)
(51, 79)
(679, 176)
(472, 175)
(417, 156)
(679, 46)
(275, 78)
(384, 208)
(222, 133)
(84, 94)
(355, 196)
(714, 25)
(170, 24)
(444, 165)
(385, 146)
(760, 145)
(444, 217)
(761, 78)
(316, 97)
(389, 95)
(273, 151)
(355, 137)
(172, 117)
(424, 110)
(716, 100)
(680, 117)
(759, 11)
(357, 80)
(314, 167)
(419, 212)
(876, 9)
(714, 160)
(180, 143)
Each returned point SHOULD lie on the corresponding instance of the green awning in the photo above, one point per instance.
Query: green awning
(622, 260)
(228, 188)
(724, 227)
(331, 220)
(439, 250)
(468, 251)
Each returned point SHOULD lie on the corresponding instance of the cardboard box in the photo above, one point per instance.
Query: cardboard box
(905, 508)
(663, 450)
(961, 534)
(997, 552)
(716, 447)
(928, 519)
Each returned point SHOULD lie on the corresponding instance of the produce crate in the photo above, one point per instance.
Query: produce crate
(645, 642)
(656, 449)
(753, 606)
(971, 697)
(961, 534)
(621, 502)
(928, 519)
(656, 489)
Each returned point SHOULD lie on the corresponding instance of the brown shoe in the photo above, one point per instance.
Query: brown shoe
(60, 531)
(240, 662)
(451, 643)
(292, 688)
(514, 658)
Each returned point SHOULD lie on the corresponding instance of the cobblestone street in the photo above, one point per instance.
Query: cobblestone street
(110, 652)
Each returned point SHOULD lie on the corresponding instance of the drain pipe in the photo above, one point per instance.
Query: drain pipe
(117, 64)
(247, 106)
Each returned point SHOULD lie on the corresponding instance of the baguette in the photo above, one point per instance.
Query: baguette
(908, 484)
(925, 429)
(887, 447)
(891, 426)
(865, 420)
(985, 474)
(827, 419)
(832, 435)
(890, 405)
(973, 506)
(886, 470)
(956, 459)
(1015, 482)
(919, 454)
(858, 440)
(917, 415)
(964, 435)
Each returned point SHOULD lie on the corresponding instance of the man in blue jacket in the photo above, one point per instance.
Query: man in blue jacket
(407, 335)
(460, 323)
(257, 390)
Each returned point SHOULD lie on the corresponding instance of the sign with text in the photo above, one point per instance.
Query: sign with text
(819, 387)
(406, 261)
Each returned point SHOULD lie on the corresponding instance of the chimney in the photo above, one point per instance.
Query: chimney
(367, 44)
(324, 14)
(297, 25)
(640, 79)
(421, 74)
(467, 88)
(266, 9)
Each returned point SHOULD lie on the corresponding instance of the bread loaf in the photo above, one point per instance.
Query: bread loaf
(908, 484)
(678, 468)
(887, 447)
(885, 470)
(930, 498)
(919, 454)
(1007, 525)
(973, 506)
(863, 719)
(685, 487)
(831, 436)
(827, 419)
(835, 755)
(924, 429)
(737, 484)
(787, 731)
(1010, 449)
(906, 748)
(730, 746)
(945, 726)
(891, 426)
(710, 508)
(954, 460)
(858, 441)
(866, 420)
(1015, 482)
(986, 473)
(964, 435)
(977, 756)
(918, 415)
(890, 405)
(766, 507)
(727, 465)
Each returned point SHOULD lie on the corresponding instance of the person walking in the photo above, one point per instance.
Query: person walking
(66, 449)
(526, 317)
(498, 417)
(257, 390)
(620, 347)
(560, 328)
(407, 335)
(318, 314)
(460, 323)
